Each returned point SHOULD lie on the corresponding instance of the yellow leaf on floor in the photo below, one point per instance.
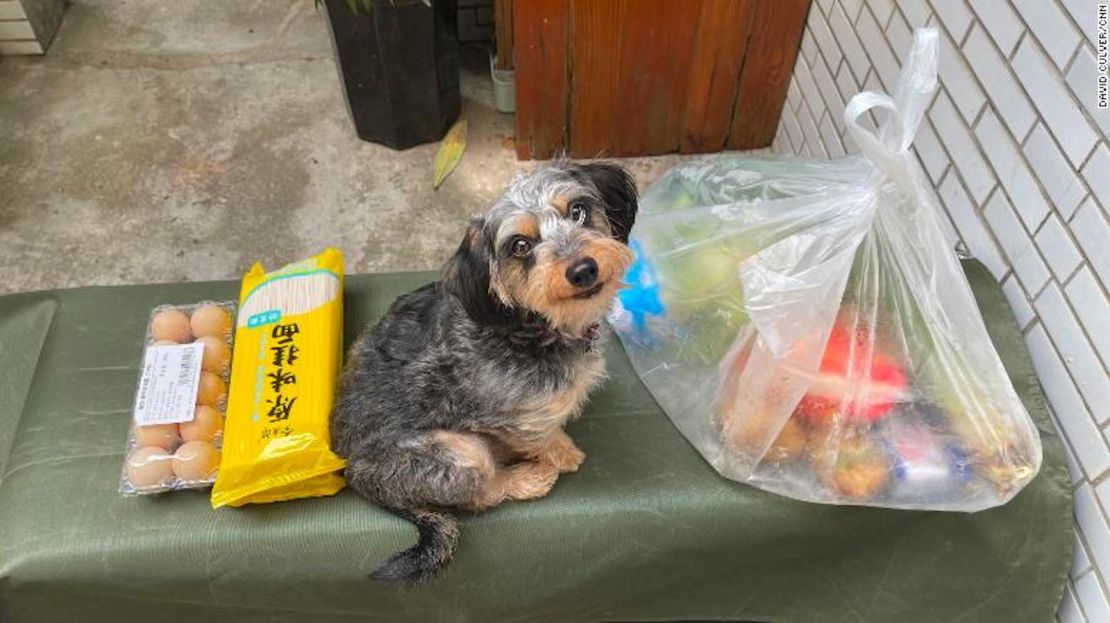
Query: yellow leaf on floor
(451, 149)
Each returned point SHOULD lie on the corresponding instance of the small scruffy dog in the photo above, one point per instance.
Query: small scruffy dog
(457, 397)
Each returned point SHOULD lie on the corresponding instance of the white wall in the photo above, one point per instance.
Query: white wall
(1017, 150)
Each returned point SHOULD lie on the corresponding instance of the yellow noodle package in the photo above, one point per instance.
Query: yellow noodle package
(289, 335)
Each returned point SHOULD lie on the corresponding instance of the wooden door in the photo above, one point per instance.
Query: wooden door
(597, 78)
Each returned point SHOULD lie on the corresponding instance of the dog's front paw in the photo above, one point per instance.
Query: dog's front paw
(529, 480)
(569, 458)
(562, 454)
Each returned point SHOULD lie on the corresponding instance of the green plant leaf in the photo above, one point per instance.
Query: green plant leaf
(367, 4)
(450, 152)
(353, 6)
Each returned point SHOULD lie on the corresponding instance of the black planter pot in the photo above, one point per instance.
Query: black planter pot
(399, 65)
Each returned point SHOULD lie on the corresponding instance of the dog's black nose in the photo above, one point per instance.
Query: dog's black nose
(583, 273)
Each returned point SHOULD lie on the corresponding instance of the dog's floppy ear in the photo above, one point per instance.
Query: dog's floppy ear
(618, 192)
(467, 276)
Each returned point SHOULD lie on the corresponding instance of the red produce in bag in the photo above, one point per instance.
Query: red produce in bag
(860, 371)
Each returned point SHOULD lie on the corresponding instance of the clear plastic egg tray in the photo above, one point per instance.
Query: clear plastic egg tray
(176, 430)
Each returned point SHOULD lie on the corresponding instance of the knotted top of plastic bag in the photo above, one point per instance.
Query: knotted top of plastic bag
(787, 283)
(889, 151)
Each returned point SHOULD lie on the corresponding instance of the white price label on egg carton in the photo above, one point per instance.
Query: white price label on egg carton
(168, 387)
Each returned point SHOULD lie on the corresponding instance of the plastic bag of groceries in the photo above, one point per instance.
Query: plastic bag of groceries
(807, 326)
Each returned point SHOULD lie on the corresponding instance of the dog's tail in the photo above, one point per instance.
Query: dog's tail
(438, 534)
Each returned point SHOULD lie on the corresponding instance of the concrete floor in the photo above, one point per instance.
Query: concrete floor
(182, 141)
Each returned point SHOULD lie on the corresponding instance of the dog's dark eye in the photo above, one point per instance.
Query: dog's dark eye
(579, 211)
(520, 247)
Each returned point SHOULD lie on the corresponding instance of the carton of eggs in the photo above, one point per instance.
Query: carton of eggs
(177, 426)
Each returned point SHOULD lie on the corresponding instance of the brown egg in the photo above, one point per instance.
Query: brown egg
(170, 324)
(163, 436)
(149, 467)
(217, 354)
(207, 423)
(196, 460)
(211, 320)
(211, 391)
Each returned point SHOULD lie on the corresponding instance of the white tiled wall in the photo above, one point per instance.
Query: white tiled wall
(1017, 149)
